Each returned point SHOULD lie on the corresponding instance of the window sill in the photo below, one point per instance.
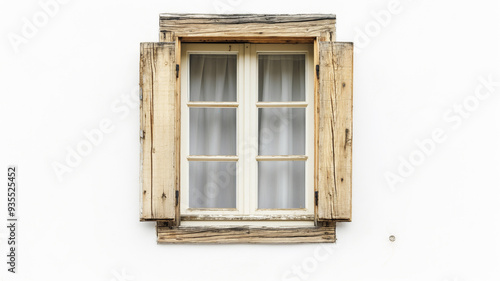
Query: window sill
(244, 234)
(216, 217)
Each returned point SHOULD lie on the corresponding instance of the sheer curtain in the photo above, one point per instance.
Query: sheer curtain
(281, 132)
(281, 184)
(212, 131)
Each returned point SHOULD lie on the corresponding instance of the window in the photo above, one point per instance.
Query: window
(246, 129)
(247, 122)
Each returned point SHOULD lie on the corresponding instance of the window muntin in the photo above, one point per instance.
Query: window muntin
(291, 109)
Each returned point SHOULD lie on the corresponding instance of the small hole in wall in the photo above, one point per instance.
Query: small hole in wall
(392, 238)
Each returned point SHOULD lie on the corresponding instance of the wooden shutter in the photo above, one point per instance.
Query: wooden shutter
(160, 131)
(335, 131)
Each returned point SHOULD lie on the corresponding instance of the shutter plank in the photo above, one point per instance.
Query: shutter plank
(158, 121)
(145, 84)
(343, 58)
(335, 131)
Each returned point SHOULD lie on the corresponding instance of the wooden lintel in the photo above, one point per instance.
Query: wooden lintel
(252, 28)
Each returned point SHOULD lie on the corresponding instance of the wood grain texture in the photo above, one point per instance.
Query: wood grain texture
(158, 122)
(145, 84)
(245, 234)
(177, 220)
(209, 25)
(335, 131)
(245, 18)
(343, 129)
(316, 126)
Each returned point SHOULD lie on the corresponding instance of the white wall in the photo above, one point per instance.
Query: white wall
(410, 71)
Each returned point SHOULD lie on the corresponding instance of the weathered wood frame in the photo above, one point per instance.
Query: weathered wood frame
(160, 131)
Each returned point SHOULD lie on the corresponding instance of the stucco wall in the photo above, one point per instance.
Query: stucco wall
(425, 117)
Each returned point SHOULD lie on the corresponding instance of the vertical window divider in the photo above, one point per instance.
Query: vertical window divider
(254, 135)
(246, 145)
(241, 135)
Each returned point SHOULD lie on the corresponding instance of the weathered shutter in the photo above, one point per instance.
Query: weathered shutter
(335, 131)
(159, 131)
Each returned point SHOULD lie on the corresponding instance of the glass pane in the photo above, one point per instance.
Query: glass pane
(282, 78)
(281, 184)
(282, 131)
(212, 77)
(212, 184)
(212, 131)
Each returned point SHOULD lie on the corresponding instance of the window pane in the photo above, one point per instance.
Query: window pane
(212, 77)
(212, 184)
(212, 131)
(282, 78)
(281, 184)
(282, 131)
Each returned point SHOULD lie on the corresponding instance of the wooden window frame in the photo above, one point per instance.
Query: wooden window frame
(248, 106)
(161, 113)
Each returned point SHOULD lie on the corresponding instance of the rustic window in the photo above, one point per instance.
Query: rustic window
(246, 129)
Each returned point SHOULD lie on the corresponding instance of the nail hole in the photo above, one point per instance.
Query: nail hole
(392, 238)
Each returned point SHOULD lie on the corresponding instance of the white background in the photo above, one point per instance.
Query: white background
(410, 71)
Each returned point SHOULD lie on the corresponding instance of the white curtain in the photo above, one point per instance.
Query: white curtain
(281, 132)
(212, 131)
(212, 77)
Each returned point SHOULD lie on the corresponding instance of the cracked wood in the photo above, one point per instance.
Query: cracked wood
(335, 131)
(260, 26)
(246, 234)
(158, 121)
